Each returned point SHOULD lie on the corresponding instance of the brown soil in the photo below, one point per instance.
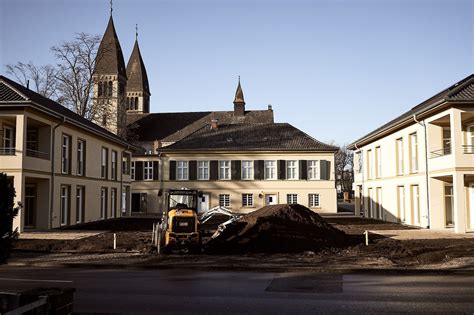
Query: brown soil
(278, 229)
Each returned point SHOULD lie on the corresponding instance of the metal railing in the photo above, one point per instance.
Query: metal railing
(37, 154)
(468, 149)
(440, 152)
(7, 151)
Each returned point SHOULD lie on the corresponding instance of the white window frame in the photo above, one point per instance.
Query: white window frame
(104, 162)
(103, 202)
(314, 200)
(247, 170)
(378, 162)
(81, 145)
(224, 200)
(292, 170)
(247, 200)
(65, 154)
(8, 141)
(415, 203)
(114, 157)
(270, 169)
(113, 202)
(203, 170)
(183, 167)
(80, 191)
(313, 170)
(414, 152)
(65, 204)
(291, 199)
(401, 203)
(470, 138)
(132, 170)
(369, 164)
(147, 170)
(400, 157)
(225, 170)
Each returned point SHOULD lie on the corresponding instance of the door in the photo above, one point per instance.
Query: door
(203, 204)
(30, 206)
(135, 202)
(471, 210)
(270, 200)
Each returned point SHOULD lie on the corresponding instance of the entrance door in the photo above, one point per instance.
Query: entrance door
(203, 204)
(30, 206)
(135, 202)
(270, 200)
(471, 211)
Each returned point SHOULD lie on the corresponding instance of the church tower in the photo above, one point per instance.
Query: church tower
(110, 83)
(239, 103)
(138, 91)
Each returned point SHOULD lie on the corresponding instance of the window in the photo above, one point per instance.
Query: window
(291, 199)
(270, 170)
(99, 89)
(110, 90)
(470, 139)
(80, 194)
(66, 154)
(126, 163)
(103, 203)
(369, 166)
(360, 164)
(81, 154)
(132, 171)
(114, 165)
(148, 170)
(291, 169)
(413, 153)
(371, 203)
(203, 170)
(104, 163)
(224, 170)
(313, 169)
(401, 202)
(378, 194)
(182, 170)
(378, 162)
(247, 170)
(446, 140)
(415, 203)
(8, 138)
(224, 200)
(400, 164)
(32, 139)
(247, 200)
(65, 205)
(313, 200)
(449, 205)
(113, 202)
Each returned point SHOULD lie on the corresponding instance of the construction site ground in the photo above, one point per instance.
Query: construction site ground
(391, 246)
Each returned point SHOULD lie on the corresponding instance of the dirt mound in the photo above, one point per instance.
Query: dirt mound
(278, 229)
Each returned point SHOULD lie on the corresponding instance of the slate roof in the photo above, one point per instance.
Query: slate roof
(250, 137)
(12, 94)
(110, 58)
(136, 72)
(462, 91)
(172, 127)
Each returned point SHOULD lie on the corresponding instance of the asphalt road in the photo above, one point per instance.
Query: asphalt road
(188, 291)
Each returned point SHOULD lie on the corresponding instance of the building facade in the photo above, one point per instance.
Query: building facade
(418, 169)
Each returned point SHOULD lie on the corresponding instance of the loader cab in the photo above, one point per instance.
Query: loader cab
(180, 199)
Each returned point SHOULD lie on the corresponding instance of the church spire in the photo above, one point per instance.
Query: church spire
(239, 103)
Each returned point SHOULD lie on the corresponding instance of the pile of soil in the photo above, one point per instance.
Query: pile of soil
(278, 229)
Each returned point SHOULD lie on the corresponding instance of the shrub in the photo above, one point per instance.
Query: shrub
(8, 211)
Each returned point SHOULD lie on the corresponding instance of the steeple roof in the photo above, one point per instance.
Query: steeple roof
(239, 94)
(109, 56)
(136, 72)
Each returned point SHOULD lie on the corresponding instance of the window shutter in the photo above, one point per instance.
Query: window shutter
(214, 171)
(259, 166)
(236, 169)
(139, 170)
(325, 169)
(303, 169)
(192, 170)
(172, 170)
(281, 169)
(155, 170)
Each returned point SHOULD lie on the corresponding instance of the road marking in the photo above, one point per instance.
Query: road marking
(36, 280)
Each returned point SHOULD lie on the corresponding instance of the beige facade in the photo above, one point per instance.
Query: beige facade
(420, 171)
(226, 190)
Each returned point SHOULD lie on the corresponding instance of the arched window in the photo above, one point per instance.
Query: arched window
(110, 88)
(127, 103)
(99, 89)
(136, 103)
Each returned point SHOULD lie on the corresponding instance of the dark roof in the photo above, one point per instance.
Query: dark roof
(109, 56)
(251, 137)
(462, 91)
(136, 72)
(172, 127)
(12, 93)
(239, 94)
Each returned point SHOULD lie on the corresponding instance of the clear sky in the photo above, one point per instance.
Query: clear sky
(335, 69)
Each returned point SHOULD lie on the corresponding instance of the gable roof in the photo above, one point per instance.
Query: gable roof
(250, 137)
(14, 94)
(462, 91)
(110, 58)
(136, 72)
(172, 127)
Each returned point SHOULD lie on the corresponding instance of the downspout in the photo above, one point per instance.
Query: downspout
(52, 172)
(160, 177)
(426, 168)
(362, 161)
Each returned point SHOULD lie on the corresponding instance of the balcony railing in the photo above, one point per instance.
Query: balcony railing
(441, 152)
(468, 149)
(7, 151)
(37, 154)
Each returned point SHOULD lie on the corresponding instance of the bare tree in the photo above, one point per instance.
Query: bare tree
(43, 79)
(344, 168)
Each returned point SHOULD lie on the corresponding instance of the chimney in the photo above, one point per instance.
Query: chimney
(214, 124)
(156, 146)
(270, 107)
